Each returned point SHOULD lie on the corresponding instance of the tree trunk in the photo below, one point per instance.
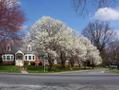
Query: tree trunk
(50, 61)
(63, 59)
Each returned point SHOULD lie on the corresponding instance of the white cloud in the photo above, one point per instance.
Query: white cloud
(107, 14)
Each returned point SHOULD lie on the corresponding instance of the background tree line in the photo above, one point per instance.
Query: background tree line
(99, 32)
(102, 36)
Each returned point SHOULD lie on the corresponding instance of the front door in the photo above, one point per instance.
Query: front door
(19, 59)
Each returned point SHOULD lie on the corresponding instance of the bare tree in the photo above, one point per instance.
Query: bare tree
(84, 6)
(100, 34)
(113, 52)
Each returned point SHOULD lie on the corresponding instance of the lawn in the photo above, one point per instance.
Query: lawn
(40, 69)
(13, 69)
(113, 70)
(33, 69)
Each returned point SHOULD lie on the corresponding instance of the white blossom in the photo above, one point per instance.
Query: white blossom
(54, 37)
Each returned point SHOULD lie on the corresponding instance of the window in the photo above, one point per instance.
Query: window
(19, 55)
(12, 58)
(3, 57)
(29, 57)
(29, 48)
(26, 57)
(8, 57)
(33, 57)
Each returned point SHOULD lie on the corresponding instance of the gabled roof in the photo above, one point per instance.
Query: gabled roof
(19, 51)
(14, 44)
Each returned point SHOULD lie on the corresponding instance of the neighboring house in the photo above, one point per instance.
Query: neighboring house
(15, 56)
(8, 56)
(19, 57)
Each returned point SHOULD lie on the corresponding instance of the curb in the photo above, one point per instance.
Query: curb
(54, 73)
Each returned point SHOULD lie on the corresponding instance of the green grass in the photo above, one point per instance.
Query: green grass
(113, 70)
(33, 69)
(40, 69)
(9, 69)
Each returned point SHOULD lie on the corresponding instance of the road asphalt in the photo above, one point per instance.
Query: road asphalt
(86, 80)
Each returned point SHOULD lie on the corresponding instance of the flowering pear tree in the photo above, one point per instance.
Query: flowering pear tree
(60, 42)
(92, 55)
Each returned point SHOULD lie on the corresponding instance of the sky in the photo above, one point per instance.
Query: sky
(59, 9)
(63, 10)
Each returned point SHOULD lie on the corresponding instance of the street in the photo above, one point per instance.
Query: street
(90, 80)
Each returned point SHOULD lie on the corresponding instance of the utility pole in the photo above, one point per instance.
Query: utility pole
(44, 57)
(44, 64)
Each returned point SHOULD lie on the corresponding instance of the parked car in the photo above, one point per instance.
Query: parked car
(113, 66)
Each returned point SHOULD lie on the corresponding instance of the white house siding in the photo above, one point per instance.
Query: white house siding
(29, 57)
(55, 61)
(19, 63)
(8, 57)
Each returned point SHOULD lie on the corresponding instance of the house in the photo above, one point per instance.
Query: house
(8, 55)
(19, 57)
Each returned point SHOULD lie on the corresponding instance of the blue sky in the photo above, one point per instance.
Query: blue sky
(58, 9)
(64, 11)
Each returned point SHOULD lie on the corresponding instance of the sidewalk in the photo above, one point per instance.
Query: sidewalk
(23, 71)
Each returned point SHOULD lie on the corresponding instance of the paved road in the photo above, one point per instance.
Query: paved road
(93, 80)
